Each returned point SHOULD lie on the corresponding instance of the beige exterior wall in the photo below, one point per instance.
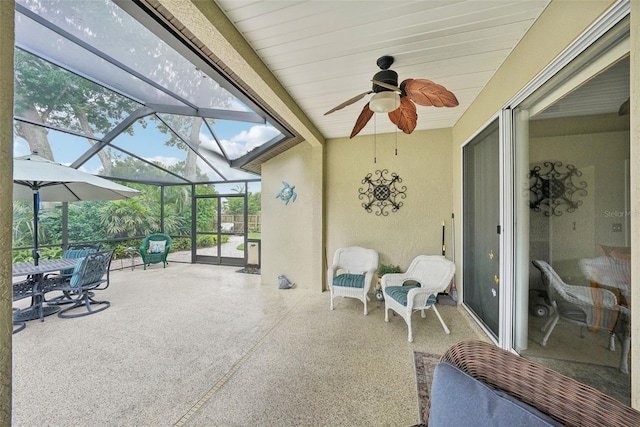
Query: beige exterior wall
(292, 233)
(6, 211)
(423, 163)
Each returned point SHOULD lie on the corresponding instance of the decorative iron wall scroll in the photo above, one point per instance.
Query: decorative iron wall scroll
(553, 188)
(380, 192)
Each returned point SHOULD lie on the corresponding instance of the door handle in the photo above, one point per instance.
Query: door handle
(496, 279)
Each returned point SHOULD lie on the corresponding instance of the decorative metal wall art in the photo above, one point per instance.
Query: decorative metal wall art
(287, 193)
(381, 193)
(553, 188)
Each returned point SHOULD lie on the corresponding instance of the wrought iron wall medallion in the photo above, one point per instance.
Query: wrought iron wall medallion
(553, 188)
(380, 193)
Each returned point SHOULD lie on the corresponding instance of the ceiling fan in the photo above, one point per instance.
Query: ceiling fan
(625, 108)
(398, 101)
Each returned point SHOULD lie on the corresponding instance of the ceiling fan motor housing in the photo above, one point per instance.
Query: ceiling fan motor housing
(385, 76)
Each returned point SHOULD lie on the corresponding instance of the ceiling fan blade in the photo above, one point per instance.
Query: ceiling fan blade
(427, 93)
(405, 116)
(349, 102)
(363, 119)
(387, 86)
(625, 108)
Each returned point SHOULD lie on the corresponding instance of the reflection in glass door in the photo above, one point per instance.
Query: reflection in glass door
(573, 256)
(481, 243)
(577, 239)
(221, 230)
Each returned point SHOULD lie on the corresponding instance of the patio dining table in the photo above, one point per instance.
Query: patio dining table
(36, 309)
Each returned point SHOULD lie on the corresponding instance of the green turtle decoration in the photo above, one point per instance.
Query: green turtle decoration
(287, 193)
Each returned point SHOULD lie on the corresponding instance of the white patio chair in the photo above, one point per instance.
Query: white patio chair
(351, 273)
(432, 274)
(588, 307)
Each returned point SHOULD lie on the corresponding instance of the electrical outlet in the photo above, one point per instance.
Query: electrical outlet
(616, 227)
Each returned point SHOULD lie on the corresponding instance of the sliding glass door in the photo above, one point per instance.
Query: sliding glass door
(572, 279)
(546, 214)
(481, 239)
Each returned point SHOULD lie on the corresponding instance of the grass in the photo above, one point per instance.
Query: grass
(250, 236)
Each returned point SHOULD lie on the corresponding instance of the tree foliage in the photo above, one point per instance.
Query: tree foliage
(50, 95)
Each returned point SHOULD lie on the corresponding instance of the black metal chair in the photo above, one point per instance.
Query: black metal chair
(72, 252)
(90, 275)
(25, 289)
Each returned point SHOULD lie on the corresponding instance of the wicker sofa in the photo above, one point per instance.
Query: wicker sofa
(554, 399)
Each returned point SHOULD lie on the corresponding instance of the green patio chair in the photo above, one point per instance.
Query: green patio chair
(154, 249)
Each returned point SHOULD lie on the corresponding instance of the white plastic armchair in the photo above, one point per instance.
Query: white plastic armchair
(433, 273)
(351, 273)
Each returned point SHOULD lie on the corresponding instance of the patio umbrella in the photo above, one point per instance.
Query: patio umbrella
(40, 179)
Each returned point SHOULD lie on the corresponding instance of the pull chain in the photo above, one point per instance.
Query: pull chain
(396, 141)
(375, 142)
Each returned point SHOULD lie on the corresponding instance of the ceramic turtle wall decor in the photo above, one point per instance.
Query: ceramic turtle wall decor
(287, 193)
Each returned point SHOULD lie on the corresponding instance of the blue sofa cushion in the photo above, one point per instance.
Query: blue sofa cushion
(458, 399)
(399, 293)
(349, 280)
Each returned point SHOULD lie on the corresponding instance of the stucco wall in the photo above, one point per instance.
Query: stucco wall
(6, 212)
(423, 163)
(292, 233)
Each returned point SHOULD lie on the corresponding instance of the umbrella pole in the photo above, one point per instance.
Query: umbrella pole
(36, 208)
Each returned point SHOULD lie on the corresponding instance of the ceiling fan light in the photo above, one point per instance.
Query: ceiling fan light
(384, 102)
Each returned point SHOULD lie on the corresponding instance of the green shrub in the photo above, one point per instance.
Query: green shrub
(387, 268)
(205, 241)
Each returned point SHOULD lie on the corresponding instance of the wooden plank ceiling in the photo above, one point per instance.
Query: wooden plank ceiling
(325, 52)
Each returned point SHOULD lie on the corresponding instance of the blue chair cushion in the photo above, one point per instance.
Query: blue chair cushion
(73, 254)
(453, 389)
(349, 280)
(399, 293)
(75, 278)
(90, 276)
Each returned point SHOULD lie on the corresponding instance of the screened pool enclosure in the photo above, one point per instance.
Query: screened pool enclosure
(104, 87)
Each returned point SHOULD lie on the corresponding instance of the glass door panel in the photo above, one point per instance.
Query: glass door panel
(232, 230)
(574, 219)
(481, 243)
(207, 248)
(221, 230)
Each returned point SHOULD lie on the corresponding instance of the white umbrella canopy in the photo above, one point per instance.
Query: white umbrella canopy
(59, 183)
(40, 179)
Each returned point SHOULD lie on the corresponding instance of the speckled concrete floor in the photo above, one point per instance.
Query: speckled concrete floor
(201, 345)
